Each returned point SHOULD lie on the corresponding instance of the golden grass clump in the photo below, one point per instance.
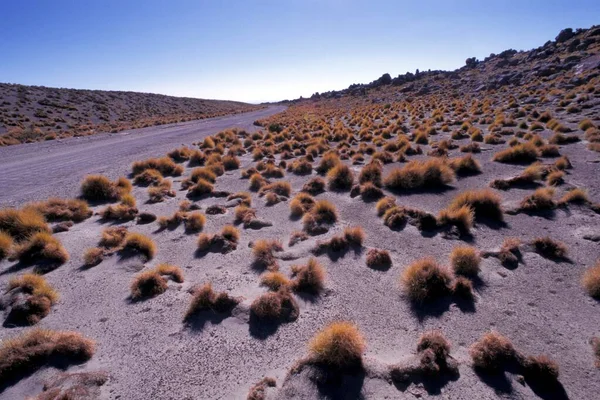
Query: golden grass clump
(32, 349)
(194, 221)
(263, 250)
(385, 204)
(6, 243)
(493, 352)
(100, 188)
(555, 178)
(466, 165)
(340, 177)
(281, 188)
(379, 259)
(395, 217)
(93, 256)
(204, 298)
(309, 278)
(519, 154)
(301, 204)
(320, 217)
(465, 260)
(148, 284)
(575, 196)
(432, 173)
(113, 237)
(148, 177)
(157, 193)
(201, 188)
(230, 233)
(140, 243)
(274, 280)
(462, 218)
(539, 200)
(338, 345)
(40, 297)
(371, 173)
(314, 186)
(164, 165)
(550, 248)
(273, 306)
(230, 162)
(42, 246)
(425, 280)
(591, 280)
(328, 161)
(55, 209)
(22, 224)
(485, 203)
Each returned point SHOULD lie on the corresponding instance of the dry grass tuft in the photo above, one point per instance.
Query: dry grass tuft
(339, 345)
(32, 349)
(465, 260)
(520, 154)
(320, 217)
(148, 284)
(39, 298)
(425, 280)
(201, 188)
(539, 200)
(340, 177)
(140, 243)
(205, 298)
(93, 256)
(575, 196)
(462, 218)
(466, 165)
(173, 272)
(493, 352)
(274, 306)
(164, 165)
(113, 237)
(485, 203)
(257, 391)
(417, 174)
(371, 173)
(314, 186)
(540, 369)
(42, 246)
(379, 259)
(385, 204)
(263, 250)
(301, 204)
(274, 280)
(100, 188)
(591, 280)
(6, 243)
(550, 248)
(62, 210)
(309, 278)
(22, 224)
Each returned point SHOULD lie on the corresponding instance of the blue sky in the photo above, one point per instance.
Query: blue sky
(261, 50)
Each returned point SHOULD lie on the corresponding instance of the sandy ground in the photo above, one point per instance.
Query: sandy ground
(37, 171)
(150, 354)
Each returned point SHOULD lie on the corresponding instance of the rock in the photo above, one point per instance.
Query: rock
(565, 35)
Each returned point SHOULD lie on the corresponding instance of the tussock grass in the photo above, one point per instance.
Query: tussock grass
(378, 259)
(466, 165)
(519, 154)
(281, 188)
(6, 243)
(201, 188)
(140, 243)
(93, 256)
(462, 218)
(340, 177)
(42, 246)
(550, 248)
(275, 306)
(385, 204)
(338, 345)
(55, 209)
(263, 250)
(493, 352)
(371, 173)
(320, 217)
(465, 260)
(148, 284)
(40, 297)
(301, 204)
(309, 278)
(485, 203)
(32, 349)
(164, 165)
(100, 188)
(540, 200)
(274, 280)
(426, 280)
(157, 193)
(22, 224)
(329, 161)
(417, 174)
(575, 196)
(148, 177)
(314, 186)
(113, 237)
(204, 298)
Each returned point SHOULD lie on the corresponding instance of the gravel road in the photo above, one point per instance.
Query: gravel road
(37, 171)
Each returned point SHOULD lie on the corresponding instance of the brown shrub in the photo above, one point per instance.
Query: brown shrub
(100, 188)
(164, 165)
(466, 165)
(309, 278)
(340, 177)
(493, 352)
(22, 224)
(485, 203)
(539, 200)
(148, 284)
(591, 280)
(6, 243)
(194, 221)
(139, 243)
(274, 280)
(32, 349)
(42, 246)
(395, 217)
(314, 186)
(263, 250)
(462, 218)
(575, 196)
(201, 188)
(425, 280)
(93, 256)
(385, 204)
(371, 173)
(379, 259)
(550, 248)
(205, 298)
(62, 209)
(329, 161)
(519, 154)
(465, 260)
(417, 174)
(301, 204)
(113, 237)
(148, 177)
(39, 298)
(339, 345)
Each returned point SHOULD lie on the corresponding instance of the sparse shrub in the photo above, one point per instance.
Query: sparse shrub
(257, 182)
(164, 165)
(550, 248)
(274, 306)
(314, 186)
(340, 177)
(466, 165)
(416, 174)
(148, 284)
(230, 233)
(205, 298)
(281, 188)
(519, 154)
(328, 161)
(301, 204)
(309, 278)
(395, 217)
(157, 193)
(274, 280)
(263, 250)
(539, 200)
(6, 243)
(201, 188)
(484, 202)
(113, 237)
(385, 204)
(425, 280)
(322, 214)
(93, 256)
(493, 352)
(194, 222)
(231, 163)
(39, 298)
(22, 355)
(139, 243)
(22, 224)
(575, 196)
(371, 173)
(339, 345)
(100, 188)
(148, 177)
(461, 217)
(379, 259)
(465, 260)
(55, 209)
(369, 191)
(42, 246)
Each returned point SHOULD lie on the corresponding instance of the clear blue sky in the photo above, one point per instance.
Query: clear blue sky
(262, 50)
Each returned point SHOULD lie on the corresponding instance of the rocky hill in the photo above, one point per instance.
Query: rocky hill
(33, 113)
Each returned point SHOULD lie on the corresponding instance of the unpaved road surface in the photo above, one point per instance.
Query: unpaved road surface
(37, 171)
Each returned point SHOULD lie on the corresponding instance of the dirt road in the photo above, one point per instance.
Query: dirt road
(37, 171)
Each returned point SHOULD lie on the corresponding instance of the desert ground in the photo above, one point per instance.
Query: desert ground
(434, 235)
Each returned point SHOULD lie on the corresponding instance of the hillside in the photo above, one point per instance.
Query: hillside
(34, 113)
